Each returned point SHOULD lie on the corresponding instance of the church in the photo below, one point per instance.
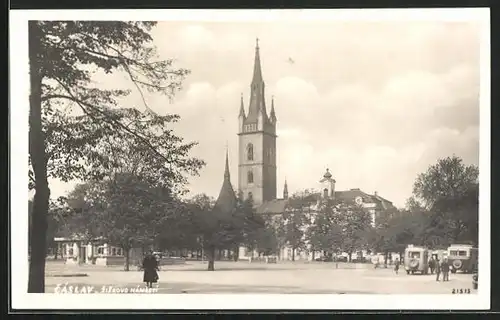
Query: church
(257, 167)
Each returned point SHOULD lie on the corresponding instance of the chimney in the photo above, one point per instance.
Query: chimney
(375, 194)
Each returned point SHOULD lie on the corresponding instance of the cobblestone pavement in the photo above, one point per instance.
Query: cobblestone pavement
(240, 277)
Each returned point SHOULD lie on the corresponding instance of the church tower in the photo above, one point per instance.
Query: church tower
(257, 142)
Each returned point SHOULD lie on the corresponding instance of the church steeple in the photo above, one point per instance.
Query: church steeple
(257, 108)
(226, 201)
(285, 190)
(257, 143)
(257, 71)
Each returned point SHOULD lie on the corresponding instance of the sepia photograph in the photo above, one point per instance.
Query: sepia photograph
(284, 159)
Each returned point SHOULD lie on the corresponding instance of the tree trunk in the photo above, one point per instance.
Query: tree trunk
(349, 256)
(56, 249)
(38, 239)
(211, 259)
(386, 258)
(127, 258)
(293, 253)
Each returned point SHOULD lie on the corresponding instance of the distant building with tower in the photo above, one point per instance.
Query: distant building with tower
(257, 167)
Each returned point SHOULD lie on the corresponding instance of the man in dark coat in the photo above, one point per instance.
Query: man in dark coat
(432, 265)
(150, 266)
(445, 269)
(396, 266)
(438, 269)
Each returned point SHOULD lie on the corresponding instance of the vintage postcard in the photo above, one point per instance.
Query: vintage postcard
(284, 159)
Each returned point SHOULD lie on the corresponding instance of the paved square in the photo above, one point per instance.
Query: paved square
(241, 277)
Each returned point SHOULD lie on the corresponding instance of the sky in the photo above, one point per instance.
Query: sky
(375, 102)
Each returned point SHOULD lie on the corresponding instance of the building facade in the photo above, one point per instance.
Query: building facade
(257, 167)
(257, 142)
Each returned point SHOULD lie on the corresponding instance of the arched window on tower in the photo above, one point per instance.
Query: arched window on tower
(250, 151)
(325, 193)
(250, 177)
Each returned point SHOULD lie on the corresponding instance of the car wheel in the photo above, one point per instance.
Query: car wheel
(407, 271)
(453, 271)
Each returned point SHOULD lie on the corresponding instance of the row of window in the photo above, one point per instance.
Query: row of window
(100, 251)
(250, 156)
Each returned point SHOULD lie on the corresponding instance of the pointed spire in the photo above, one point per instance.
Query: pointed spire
(272, 115)
(257, 72)
(242, 107)
(257, 104)
(226, 201)
(226, 169)
(285, 190)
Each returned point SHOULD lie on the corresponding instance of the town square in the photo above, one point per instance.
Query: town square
(241, 277)
(225, 157)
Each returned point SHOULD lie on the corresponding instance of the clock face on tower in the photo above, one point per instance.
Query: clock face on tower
(359, 200)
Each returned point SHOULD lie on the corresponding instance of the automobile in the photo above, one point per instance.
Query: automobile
(360, 260)
(324, 259)
(463, 257)
(340, 259)
(474, 280)
(416, 259)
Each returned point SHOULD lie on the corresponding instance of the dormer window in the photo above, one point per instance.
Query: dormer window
(325, 193)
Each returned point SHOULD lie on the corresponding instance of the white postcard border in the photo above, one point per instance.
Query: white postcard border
(19, 84)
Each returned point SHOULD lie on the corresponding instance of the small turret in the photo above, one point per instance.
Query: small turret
(242, 107)
(241, 116)
(272, 116)
(285, 190)
(328, 185)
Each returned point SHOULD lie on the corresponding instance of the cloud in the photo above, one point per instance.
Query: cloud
(376, 102)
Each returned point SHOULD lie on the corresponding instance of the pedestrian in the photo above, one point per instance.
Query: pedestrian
(150, 266)
(396, 266)
(438, 269)
(445, 270)
(432, 264)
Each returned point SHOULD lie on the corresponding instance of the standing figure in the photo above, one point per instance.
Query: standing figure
(150, 266)
(445, 269)
(396, 266)
(432, 265)
(438, 269)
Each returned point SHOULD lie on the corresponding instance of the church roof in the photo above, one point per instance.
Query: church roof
(226, 201)
(278, 206)
(273, 206)
(351, 195)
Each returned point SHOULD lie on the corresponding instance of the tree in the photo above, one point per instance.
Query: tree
(449, 178)
(266, 239)
(449, 190)
(221, 229)
(402, 230)
(297, 218)
(325, 233)
(56, 224)
(354, 222)
(63, 57)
